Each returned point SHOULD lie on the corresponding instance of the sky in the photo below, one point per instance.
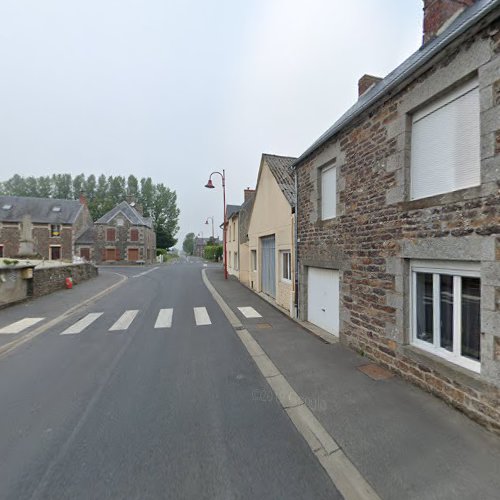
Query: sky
(174, 90)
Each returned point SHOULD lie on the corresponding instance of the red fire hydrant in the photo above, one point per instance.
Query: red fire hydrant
(69, 282)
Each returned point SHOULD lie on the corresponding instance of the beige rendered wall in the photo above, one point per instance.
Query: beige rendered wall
(271, 214)
(232, 245)
(245, 264)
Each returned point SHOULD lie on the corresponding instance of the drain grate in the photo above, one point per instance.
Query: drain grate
(263, 326)
(375, 372)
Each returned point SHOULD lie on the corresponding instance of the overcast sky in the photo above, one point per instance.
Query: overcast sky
(177, 89)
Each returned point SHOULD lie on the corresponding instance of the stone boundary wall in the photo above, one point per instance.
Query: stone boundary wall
(51, 279)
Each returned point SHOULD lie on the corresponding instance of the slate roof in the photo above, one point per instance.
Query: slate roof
(282, 169)
(408, 69)
(86, 238)
(231, 210)
(129, 212)
(40, 209)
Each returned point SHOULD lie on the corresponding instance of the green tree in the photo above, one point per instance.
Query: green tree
(44, 186)
(188, 244)
(165, 216)
(78, 185)
(63, 187)
(147, 196)
(133, 187)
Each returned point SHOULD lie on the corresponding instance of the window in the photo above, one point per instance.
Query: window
(134, 235)
(446, 311)
(55, 230)
(229, 236)
(235, 265)
(56, 209)
(229, 260)
(253, 255)
(110, 234)
(328, 193)
(286, 266)
(120, 221)
(234, 231)
(1, 250)
(55, 252)
(6, 207)
(445, 147)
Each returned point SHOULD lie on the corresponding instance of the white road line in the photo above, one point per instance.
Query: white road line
(201, 316)
(164, 319)
(249, 312)
(145, 272)
(20, 325)
(124, 321)
(79, 326)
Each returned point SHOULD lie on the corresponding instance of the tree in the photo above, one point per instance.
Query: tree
(63, 187)
(78, 185)
(44, 186)
(133, 187)
(188, 245)
(165, 216)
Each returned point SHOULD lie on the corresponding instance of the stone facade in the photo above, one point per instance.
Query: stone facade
(379, 231)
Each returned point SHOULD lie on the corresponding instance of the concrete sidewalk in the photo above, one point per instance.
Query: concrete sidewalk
(55, 304)
(405, 442)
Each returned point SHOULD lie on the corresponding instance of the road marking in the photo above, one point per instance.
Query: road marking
(249, 312)
(201, 316)
(124, 321)
(20, 325)
(79, 326)
(164, 319)
(145, 272)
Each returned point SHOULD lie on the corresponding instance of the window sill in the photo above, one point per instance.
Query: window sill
(443, 198)
(444, 367)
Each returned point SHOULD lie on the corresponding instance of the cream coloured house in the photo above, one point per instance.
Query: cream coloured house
(271, 232)
(233, 240)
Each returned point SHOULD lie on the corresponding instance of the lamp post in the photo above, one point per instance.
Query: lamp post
(210, 185)
(206, 222)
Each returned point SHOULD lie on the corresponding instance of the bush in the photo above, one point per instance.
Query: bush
(213, 252)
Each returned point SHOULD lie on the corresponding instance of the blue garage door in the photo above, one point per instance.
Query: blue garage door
(268, 276)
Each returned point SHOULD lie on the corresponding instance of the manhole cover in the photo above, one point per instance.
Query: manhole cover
(263, 326)
(375, 372)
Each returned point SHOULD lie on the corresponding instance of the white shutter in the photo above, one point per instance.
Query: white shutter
(329, 193)
(445, 144)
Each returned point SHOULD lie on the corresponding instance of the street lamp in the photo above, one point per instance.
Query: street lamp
(206, 222)
(210, 185)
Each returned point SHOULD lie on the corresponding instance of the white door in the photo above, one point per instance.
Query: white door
(323, 298)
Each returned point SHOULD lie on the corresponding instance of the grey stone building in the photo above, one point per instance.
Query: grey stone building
(121, 235)
(43, 227)
(398, 214)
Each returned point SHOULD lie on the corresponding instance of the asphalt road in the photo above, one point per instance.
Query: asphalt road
(147, 412)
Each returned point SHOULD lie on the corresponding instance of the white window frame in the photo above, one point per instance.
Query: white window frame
(437, 268)
(332, 215)
(289, 266)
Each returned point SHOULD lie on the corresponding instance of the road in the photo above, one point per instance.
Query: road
(105, 405)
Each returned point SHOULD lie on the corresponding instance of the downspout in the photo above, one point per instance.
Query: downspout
(296, 246)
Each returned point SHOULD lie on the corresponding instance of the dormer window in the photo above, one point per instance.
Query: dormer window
(6, 207)
(56, 209)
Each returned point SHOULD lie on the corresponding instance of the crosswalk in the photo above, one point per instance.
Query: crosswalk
(164, 320)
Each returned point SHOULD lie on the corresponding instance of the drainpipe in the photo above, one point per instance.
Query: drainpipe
(296, 247)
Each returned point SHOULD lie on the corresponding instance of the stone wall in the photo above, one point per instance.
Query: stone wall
(51, 279)
(378, 229)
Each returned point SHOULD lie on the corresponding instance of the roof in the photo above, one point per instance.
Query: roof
(86, 238)
(41, 210)
(129, 212)
(282, 169)
(469, 17)
(232, 210)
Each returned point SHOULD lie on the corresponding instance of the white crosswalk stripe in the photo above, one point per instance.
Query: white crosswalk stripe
(249, 312)
(124, 321)
(164, 319)
(20, 325)
(80, 325)
(201, 316)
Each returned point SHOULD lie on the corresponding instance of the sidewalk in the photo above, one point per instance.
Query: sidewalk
(406, 443)
(55, 304)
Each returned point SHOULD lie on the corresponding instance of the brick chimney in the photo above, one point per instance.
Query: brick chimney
(83, 199)
(248, 192)
(438, 14)
(366, 82)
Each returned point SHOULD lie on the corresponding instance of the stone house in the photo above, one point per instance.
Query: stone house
(121, 235)
(44, 227)
(398, 214)
(271, 232)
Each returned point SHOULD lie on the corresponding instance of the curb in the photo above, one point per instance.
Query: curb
(7, 348)
(342, 472)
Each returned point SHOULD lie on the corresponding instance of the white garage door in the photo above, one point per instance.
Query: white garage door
(323, 298)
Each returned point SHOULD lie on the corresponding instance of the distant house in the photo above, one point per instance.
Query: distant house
(201, 243)
(121, 235)
(244, 215)
(271, 232)
(46, 227)
(233, 263)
